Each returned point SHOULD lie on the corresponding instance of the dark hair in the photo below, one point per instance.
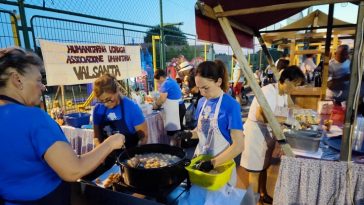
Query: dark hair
(292, 73)
(18, 59)
(214, 70)
(282, 64)
(344, 47)
(191, 78)
(310, 55)
(106, 83)
(159, 73)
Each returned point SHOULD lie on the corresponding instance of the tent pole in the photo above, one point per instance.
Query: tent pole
(271, 62)
(267, 55)
(325, 73)
(352, 103)
(248, 73)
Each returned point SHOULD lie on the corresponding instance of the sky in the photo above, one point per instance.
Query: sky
(147, 12)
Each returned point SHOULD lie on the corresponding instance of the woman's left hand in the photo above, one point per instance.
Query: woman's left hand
(205, 166)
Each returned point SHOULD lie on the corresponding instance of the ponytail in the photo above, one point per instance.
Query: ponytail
(224, 76)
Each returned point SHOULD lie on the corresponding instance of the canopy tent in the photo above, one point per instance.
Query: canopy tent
(244, 22)
(240, 20)
(208, 28)
(305, 30)
(314, 19)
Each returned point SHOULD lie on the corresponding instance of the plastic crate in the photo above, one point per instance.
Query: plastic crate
(77, 119)
(306, 140)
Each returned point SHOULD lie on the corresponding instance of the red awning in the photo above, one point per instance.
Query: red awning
(210, 30)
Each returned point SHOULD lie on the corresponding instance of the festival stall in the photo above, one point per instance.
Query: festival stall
(74, 63)
(311, 42)
(299, 180)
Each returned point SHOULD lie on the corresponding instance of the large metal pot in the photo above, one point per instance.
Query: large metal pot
(153, 178)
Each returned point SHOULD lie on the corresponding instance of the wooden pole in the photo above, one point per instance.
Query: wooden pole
(318, 58)
(335, 43)
(278, 7)
(292, 50)
(325, 73)
(248, 73)
(352, 103)
(63, 100)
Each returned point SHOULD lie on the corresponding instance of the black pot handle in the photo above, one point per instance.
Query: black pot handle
(186, 162)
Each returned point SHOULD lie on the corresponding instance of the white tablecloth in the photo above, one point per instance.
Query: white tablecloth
(81, 140)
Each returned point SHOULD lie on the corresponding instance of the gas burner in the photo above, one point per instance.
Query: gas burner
(165, 195)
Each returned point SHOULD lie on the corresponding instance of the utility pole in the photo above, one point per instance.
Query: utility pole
(161, 41)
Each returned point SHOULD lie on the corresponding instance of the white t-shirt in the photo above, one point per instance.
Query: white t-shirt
(235, 74)
(338, 70)
(270, 92)
(308, 65)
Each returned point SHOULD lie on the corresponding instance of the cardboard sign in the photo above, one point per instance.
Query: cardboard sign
(73, 63)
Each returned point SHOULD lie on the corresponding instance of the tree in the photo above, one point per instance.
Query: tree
(173, 35)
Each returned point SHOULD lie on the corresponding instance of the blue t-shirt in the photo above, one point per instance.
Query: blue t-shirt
(172, 89)
(229, 116)
(26, 133)
(133, 114)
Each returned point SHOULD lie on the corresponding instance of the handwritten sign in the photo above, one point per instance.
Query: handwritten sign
(72, 63)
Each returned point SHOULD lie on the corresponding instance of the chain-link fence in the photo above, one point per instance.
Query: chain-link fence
(78, 26)
(76, 22)
(9, 34)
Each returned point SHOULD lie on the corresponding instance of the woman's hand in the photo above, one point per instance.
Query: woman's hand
(155, 106)
(115, 141)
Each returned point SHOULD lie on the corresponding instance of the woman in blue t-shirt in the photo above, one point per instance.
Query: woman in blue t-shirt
(171, 100)
(115, 114)
(35, 156)
(219, 127)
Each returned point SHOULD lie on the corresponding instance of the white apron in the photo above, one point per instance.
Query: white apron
(259, 138)
(212, 142)
(171, 111)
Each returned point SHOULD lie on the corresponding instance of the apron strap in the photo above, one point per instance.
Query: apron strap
(217, 109)
(7, 98)
(123, 122)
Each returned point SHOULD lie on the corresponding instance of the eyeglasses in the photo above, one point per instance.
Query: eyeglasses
(107, 100)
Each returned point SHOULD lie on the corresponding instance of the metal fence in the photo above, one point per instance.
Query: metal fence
(83, 28)
(9, 35)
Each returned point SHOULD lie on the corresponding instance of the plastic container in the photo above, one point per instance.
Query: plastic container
(77, 119)
(210, 181)
(306, 140)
